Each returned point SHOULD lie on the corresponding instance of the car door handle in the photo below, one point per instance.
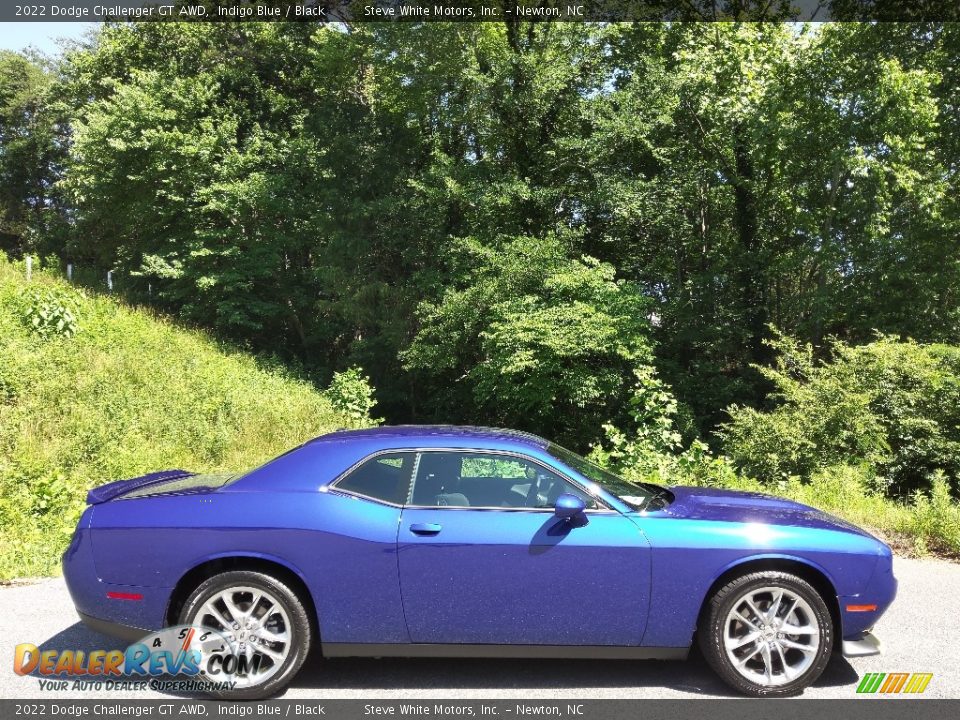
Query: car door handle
(425, 528)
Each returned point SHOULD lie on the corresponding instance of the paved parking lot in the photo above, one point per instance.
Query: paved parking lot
(920, 633)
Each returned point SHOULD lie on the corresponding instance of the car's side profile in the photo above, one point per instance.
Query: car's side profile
(454, 541)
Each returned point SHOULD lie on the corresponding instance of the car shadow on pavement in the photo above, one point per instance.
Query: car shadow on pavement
(429, 674)
(79, 637)
(693, 676)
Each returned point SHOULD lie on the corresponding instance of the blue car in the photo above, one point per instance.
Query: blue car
(473, 542)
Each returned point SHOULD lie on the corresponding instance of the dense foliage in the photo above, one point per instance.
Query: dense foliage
(808, 449)
(127, 394)
(892, 406)
(582, 230)
(33, 137)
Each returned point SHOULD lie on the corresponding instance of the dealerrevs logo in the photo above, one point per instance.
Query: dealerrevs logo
(893, 683)
(201, 655)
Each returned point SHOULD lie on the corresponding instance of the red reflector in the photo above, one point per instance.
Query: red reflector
(861, 608)
(124, 596)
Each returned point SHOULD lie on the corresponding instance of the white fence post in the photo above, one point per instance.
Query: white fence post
(110, 280)
(29, 267)
(70, 272)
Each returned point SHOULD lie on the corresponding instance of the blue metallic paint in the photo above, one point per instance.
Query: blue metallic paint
(623, 578)
(569, 506)
(524, 578)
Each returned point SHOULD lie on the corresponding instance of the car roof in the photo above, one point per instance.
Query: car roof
(406, 435)
(322, 459)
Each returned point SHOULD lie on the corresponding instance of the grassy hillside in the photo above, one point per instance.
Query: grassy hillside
(128, 393)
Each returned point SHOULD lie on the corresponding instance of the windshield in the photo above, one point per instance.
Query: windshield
(636, 495)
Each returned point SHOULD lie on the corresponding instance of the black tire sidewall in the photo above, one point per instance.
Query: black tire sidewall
(712, 632)
(300, 631)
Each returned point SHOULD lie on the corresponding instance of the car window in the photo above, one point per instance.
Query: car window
(382, 477)
(488, 480)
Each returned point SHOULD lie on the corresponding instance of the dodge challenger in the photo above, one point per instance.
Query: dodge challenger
(454, 542)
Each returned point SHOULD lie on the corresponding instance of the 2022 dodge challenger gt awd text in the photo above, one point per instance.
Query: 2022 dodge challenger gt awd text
(474, 542)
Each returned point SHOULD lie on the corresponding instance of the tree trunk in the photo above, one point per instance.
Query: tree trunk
(751, 270)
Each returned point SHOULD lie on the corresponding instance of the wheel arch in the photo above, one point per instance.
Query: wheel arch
(268, 565)
(802, 568)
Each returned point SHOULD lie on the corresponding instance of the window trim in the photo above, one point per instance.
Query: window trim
(605, 507)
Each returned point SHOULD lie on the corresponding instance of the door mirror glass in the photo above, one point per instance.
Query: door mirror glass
(568, 506)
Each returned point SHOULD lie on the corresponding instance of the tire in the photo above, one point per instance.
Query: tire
(281, 615)
(752, 650)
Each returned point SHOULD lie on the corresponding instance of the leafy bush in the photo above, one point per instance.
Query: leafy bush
(652, 450)
(935, 520)
(893, 406)
(130, 394)
(351, 394)
(49, 313)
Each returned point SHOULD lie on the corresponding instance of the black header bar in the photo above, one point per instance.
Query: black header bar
(355, 11)
(175, 708)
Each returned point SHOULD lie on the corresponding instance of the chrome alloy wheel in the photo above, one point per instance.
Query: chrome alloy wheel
(771, 636)
(257, 626)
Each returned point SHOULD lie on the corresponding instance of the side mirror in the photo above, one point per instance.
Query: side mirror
(568, 506)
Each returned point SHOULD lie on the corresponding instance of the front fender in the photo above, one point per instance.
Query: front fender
(689, 556)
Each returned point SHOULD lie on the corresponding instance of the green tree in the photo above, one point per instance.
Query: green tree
(339, 195)
(769, 173)
(32, 146)
(533, 339)
(888, 405)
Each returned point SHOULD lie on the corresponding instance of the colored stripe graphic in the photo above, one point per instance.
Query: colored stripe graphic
(870, 682)
(894, 683)
(918, 682)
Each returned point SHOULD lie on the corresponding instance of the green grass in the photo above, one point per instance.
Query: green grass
(130, 393)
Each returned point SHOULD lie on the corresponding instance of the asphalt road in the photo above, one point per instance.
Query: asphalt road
(920, 633)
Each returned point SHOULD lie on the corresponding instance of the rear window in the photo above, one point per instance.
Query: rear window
(383, 477)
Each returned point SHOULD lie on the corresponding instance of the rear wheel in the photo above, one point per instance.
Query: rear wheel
(265, 622)
(767, 634)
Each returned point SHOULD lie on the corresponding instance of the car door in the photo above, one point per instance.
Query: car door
(359, 601)
(484, 560)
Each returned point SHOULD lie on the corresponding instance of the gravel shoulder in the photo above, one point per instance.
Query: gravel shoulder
(920, 633)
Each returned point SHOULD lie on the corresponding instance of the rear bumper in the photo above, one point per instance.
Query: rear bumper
(863, 645)
(114, 629)
(92, 597)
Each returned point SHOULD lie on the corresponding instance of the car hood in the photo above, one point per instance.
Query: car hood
(698, 503)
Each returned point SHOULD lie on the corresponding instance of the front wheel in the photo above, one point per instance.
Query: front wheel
(265, 623)
(767, 634)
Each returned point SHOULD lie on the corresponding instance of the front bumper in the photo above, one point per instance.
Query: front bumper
(863, 645)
